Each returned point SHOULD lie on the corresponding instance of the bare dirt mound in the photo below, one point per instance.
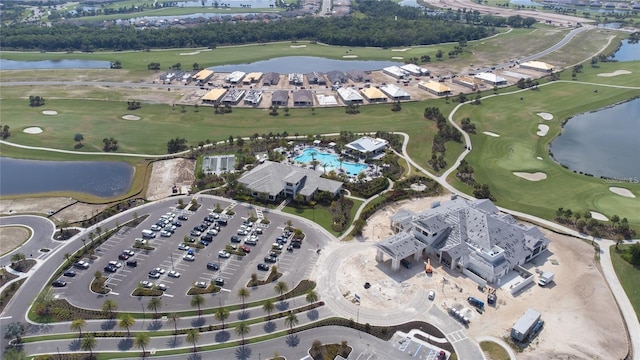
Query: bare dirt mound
(169, 173)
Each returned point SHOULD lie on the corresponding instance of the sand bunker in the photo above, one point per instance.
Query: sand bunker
(298, 46)
(405, 49)
(190, 53)
(350, 56)
(536, 176)
(622, 192)
(397, 58)
(490, 133)
(539, 158)
(131, 117)
(49, 112)
(32, 130)
(542, 129)
(615, 73)
(598, 216)
(545, 116)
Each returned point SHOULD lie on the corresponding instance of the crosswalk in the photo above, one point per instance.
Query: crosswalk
(456, 336)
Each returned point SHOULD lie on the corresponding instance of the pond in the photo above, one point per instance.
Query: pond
(628, 51)
(256, 4)
(102, 179)
(54, 64)
(305, 64)
(602, 143)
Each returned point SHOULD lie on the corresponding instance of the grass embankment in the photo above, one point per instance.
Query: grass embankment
(321, 215)
(628, 275)
(494, 159)
(494, 351)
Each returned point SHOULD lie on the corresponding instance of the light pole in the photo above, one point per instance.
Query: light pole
(171, 254)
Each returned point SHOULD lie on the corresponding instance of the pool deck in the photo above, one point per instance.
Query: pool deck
(370, 171)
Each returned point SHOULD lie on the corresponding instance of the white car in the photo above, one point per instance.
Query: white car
(223, 254)
(200, 284)
(162, 287)
(115, 263)
(159, 270)
(129, 252)
(276, 246)
(432, 295)
(165, 234)
(213, 232)
(189, 257)
(146, 284)
(173, 274)
(183, 247)
(155, 227)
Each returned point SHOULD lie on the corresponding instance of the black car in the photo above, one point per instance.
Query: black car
(132, 263)
(235, 239)
(207, 237)
(263, 267)
(183, 217)
(222, 222)
(59, 283)
(110, 268)
(176, 223)
(290, 248)
(212, 266)
(191, 239)
(69, 273)
(219, 281)
(296, 244)
(204, 242)
(270, 259)
(123, 256)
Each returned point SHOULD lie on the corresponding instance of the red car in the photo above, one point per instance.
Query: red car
(246, 248)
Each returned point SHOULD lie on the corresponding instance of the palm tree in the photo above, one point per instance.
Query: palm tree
(141, 340)
(316, 345)
(174, 317)
(154, 304)
(221, 314)
(242, 329)
(197, 301)
(291, 320)
(77, 325)
(312, 296)
(88, 344)
(243, 294)
(193, 335)
(126, 322)
(268, 306)
(281, 288)
(110, 306)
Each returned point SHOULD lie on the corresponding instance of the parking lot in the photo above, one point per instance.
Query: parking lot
(295, 264)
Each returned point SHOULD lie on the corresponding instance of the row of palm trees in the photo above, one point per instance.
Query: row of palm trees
(141, 340)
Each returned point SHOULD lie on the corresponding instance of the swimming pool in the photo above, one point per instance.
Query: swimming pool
(330, 160)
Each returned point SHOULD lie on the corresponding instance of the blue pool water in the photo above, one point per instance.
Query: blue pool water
(331, 160)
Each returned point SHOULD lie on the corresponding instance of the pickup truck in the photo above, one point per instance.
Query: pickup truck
(475, 302)
(545, 278)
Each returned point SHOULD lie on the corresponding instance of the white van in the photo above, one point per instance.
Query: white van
(148, 234)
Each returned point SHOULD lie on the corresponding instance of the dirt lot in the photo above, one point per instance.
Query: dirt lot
(581, 320)
(169, 173)
(12, 237)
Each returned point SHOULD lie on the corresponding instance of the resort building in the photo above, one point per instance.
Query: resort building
(280, 98)
(395, 72)
(395, 93)
(296, 79)
(253, 97)
(359, 76)
(271, 78)
(233, 96)
(350, 96)
(435, 88)
(202, 76)
(367, 147)
(274, 181)
(491, 78)
(303, 98)
(373, 95)
(316, 78)
(537, 66)
(214, 96)
(336, 77)
(252, 78)
(415, 70)
(473, 237)
(235, 77)
(467, 81)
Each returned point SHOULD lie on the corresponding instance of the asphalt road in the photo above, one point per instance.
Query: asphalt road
(42, 230)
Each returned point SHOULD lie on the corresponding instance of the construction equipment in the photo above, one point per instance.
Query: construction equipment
(428, 269)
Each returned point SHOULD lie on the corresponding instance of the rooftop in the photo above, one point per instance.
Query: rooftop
(373, 93)
(394, 92)
(400, 245)
(367, 144)
(349, 94)
(269, 177)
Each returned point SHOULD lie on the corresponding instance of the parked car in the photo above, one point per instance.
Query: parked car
(129, 252)
(115, 263)
(270, 259)
(166, 234)
(146, 284)
(173, 274)
(154, 274)
(132, 263)
(258, 231)
(123, 256)
(200, 284)
(183, 217)
(207, 237)
(250, 242)
(212, 232)
(213, 266)
(235, 239)
(263, 267)
(81, 264)
(245, 248)
(204, 242)
(159, 270)
(431, 295)
(69, 273)
(189, 257)
(155, 227)
(195, 232)
(162, 287)
(276, 246)
(177, 223)
(59, 283)
(183, 247)
(222, 222)
(223, 254)
(110, 268)
(219, 281)
(290, 248)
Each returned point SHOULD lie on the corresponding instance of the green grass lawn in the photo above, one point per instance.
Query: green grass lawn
(495, 158)
(629, 277)
(321, 215)
(495, 351)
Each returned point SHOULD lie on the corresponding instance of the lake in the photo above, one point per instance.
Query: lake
(54, 64)
(102, 179)
(305, 64)
(628, 51)
(602, 143)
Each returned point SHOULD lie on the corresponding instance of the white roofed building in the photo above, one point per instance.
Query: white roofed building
(395, 93)
(491, 78)
(235, 77)
(367, 147)
(395, 71)
(350, 95)
(415, 70)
